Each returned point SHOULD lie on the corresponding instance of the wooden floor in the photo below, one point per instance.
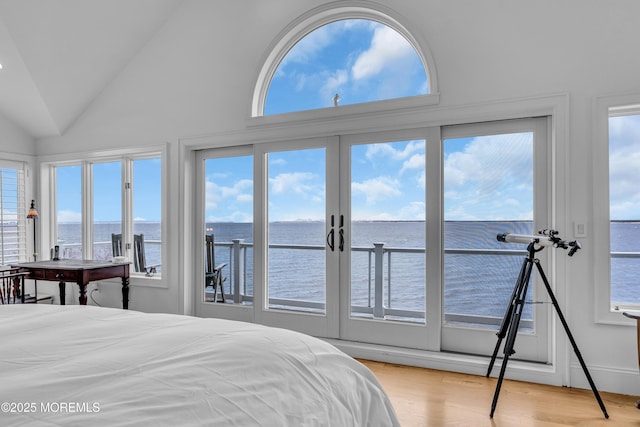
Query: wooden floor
(425, 397)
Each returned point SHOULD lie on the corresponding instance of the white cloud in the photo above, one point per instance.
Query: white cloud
(417, 161)
(387, 150)
(387, 46)
(413, 211)
(490, 178)
(217, 195)
(297, 182)
(624, 164)
(310, 46)
(377, 189)
(491, 161)
(277, 161)
(334, 82)
(69, 216)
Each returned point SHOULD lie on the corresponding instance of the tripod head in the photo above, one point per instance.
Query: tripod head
(546, 237)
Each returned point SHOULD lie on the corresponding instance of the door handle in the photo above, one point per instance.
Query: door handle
(341, 233)
(330, 237)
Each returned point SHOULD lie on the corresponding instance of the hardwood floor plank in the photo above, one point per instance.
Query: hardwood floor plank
(427, 397)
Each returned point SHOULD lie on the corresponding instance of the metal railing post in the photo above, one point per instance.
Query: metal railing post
(378, 310)
(238, 270)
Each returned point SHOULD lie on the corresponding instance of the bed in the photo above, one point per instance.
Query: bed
(87, 365)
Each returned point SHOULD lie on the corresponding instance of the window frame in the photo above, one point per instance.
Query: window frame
(604, 108)
(316, 18)
(86, 160)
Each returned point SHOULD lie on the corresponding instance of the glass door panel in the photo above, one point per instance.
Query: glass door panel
(228, 224)
(388, 231)
(488, 188)
(296, 279)
(383, 269)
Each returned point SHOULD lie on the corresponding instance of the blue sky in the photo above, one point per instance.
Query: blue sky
(624, 165)
(486, 177)
(108, 191)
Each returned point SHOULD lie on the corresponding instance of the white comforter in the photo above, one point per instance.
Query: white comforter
(90, 366)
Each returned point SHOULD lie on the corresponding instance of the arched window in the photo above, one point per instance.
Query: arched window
(342, 56)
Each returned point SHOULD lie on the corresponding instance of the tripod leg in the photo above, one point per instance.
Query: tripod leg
(499, 385)
(518, 307)
(506, 320)
(573, 342)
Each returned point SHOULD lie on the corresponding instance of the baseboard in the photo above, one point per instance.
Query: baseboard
(614, 380)
(606, 379)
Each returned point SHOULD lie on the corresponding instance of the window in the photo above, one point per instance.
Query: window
(99, 198)
(12, 213)
(346, 62)
(345, 55)
(624, 205)
(616, 206)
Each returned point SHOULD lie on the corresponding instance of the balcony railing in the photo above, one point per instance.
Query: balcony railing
(380, 285)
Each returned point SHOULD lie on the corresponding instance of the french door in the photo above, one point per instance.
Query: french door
(388, 237)
(384, 297)
(296, 210)
(342, 227)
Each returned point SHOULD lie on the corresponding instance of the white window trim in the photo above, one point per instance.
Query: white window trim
(603, 107)
(316, 18)
(48, 190)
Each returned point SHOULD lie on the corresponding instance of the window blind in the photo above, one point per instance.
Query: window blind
(13, 233)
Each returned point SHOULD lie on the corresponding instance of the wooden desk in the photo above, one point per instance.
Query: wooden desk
(79, 271)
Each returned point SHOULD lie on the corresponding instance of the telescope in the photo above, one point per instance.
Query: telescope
(513, 315)
(545, 238)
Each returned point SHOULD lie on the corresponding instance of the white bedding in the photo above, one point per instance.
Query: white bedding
(91, 366)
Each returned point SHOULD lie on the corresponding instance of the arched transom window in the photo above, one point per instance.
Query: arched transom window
(342, 59)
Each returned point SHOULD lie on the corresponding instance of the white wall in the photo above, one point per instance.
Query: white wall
(196, 77)
(14, 140)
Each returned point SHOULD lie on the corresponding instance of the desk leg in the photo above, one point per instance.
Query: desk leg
(125, 293)
(62, 286)
(83, 293)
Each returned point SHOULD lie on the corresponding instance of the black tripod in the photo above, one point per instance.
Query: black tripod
(511, 320)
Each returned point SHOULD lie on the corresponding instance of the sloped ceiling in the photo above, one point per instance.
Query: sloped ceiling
(58, 55)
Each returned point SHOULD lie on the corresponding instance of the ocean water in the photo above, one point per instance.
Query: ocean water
(474, 284)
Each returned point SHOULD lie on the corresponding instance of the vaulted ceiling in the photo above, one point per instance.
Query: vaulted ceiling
(57, 56)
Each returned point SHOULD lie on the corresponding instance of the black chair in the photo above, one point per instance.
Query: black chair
(139, 258)
(213, 275)
(116, 244)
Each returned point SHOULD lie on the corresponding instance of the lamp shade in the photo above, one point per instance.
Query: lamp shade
(33, 212)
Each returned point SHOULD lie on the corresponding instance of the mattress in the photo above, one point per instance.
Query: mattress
(86, 365)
